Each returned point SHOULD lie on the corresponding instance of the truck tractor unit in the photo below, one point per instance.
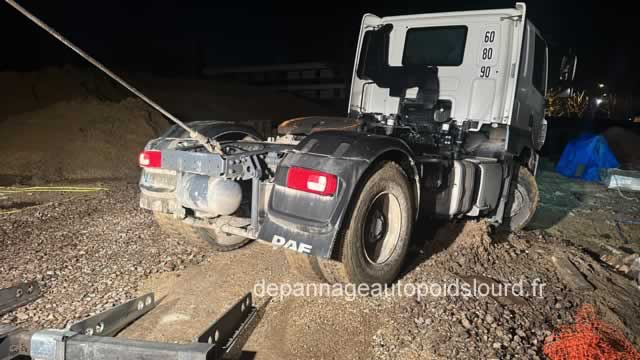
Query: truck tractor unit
(445, 118)
(445, 121)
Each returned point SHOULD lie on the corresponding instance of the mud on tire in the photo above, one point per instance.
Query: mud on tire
(200, 237)
(522, 202)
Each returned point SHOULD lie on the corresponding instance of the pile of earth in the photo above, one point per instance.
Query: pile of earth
(29, 91)
(189, 99)
(78, 139)
(70, 123)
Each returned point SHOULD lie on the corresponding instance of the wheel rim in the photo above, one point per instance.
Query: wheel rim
(381, 228)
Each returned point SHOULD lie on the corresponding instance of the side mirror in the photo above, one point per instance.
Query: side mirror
(568, 67)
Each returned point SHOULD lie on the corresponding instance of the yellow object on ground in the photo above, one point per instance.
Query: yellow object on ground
(18, 190)
(11, 189)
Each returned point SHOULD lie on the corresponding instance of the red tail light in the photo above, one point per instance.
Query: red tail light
(150, 159)
(312, 181)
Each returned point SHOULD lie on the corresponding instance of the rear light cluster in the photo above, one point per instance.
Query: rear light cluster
(312, 181)
(150, 159)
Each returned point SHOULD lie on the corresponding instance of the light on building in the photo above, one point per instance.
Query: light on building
(601, 85)
(598, 101)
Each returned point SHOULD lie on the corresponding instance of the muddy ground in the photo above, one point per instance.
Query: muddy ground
(90, 251)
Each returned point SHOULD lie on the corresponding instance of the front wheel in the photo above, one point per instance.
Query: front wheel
(523, 201)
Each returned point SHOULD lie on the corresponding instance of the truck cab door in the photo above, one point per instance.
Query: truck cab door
(369, 21)
(528, 111)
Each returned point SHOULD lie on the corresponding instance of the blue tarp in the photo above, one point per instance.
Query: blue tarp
(585, 156)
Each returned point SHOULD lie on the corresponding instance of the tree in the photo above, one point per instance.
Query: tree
(566, 103)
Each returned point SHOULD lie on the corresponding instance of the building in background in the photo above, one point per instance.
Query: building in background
(315, 81)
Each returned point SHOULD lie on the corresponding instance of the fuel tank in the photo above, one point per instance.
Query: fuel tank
(468, 187)
(211, 195)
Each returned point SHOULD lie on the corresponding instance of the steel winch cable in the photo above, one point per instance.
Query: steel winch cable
(209, 144)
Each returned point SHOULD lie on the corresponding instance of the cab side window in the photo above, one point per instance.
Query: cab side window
(435, 46)
(539, 65)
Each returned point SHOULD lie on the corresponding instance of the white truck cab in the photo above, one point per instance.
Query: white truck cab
(492, 70)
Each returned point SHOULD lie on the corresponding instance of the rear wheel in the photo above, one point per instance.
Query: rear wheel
(523, 202)
(376, 233)
(218, 240)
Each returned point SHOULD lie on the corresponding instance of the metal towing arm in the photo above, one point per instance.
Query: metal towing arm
(91, 337)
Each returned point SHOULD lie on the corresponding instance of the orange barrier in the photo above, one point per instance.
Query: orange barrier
(590, 339)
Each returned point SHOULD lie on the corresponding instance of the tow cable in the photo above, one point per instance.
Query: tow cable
(211, 145)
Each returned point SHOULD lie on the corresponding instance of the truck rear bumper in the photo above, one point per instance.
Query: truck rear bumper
(306, 222)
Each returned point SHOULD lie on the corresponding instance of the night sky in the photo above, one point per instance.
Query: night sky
(178, 37)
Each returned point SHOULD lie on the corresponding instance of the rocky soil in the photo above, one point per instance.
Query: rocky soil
(92, 251)
(500, 327)
(88, 252)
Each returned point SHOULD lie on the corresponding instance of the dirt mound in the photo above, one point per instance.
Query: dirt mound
(80, 139)
(469, 241)
(474, 236)
(30, 91)
(189, 99)
(71, 123)
(625, 144)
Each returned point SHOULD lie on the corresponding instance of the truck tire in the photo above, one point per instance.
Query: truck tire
(176, 229)
(378, 228)
(523, 201)
(384, 210)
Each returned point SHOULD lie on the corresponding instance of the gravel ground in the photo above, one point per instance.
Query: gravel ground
(97, 250)
(88, 254)
(481, 327)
